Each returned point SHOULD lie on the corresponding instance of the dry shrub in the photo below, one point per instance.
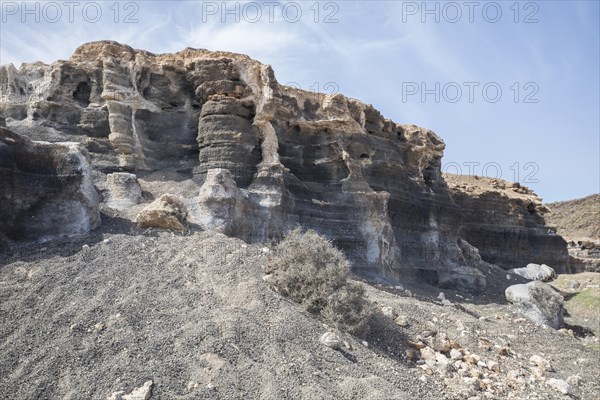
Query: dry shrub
(308, 269)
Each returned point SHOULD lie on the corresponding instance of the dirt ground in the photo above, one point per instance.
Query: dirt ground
(85, 318)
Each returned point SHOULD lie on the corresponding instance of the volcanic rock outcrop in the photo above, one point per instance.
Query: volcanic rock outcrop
(505, 221)
(578, 221)
(47, 189)
(252, 158)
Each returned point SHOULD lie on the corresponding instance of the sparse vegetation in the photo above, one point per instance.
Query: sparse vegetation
(578, 218)
(307, 268)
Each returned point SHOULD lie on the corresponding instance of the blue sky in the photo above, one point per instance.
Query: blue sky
(527, 72)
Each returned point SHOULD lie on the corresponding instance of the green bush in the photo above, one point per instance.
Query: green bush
(308, 269)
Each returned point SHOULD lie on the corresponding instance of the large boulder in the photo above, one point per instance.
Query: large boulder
(538, 302)
(166, 212)
(222, 207)
(46, 189)
(535, 272)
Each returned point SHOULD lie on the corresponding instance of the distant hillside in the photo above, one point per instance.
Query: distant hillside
(576, 218)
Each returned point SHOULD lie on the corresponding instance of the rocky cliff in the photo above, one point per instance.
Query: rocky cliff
(47, 189)
(579, 222)
(252, 158)
(506, 222)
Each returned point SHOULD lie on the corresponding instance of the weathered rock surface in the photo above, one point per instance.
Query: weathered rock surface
(584, 254)
(123, 190)
(538, 302)
(46, 189)
(144, 392)
(578, 221)
(327, 162)
(331, 340)
(535, 272)
(505, 221)
(167, 212)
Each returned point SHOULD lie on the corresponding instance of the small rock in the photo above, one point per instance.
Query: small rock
(99, 327)
(415, 345)
(331, 340)
(493, 366)
(401, 321)
(440, 343)
(441, 359)
(472, 383)
(503, 351)
(514, 374)
(472, 359)
(441, 296)
(573, 285)
(388, 312)
(428, 333)
(541, 362)
(427, 353)
(455, 354)
(142, 393)
(535, 272)
(574, 380)
(560, 386)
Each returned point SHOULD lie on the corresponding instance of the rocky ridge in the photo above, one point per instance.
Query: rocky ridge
(261, 157)
(579, 222)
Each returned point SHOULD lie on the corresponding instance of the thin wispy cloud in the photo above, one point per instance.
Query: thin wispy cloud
(370, 52)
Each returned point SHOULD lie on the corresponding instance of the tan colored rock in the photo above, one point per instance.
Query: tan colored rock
(388, 312)
(440, 343)
(167, 212)
(472, 359)
(539, 361)
(402, 321)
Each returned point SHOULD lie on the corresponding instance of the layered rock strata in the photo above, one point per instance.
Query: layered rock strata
(265, 157)
(505, 221)
(47, 189)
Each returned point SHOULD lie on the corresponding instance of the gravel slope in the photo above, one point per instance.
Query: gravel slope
(190, 313)
(84, 319)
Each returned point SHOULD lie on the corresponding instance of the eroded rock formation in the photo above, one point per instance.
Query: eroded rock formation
(505, 221)
(46, 191)
(252, 158)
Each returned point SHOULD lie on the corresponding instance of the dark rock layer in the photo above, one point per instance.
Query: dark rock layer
(267, 157)
(46, 189)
